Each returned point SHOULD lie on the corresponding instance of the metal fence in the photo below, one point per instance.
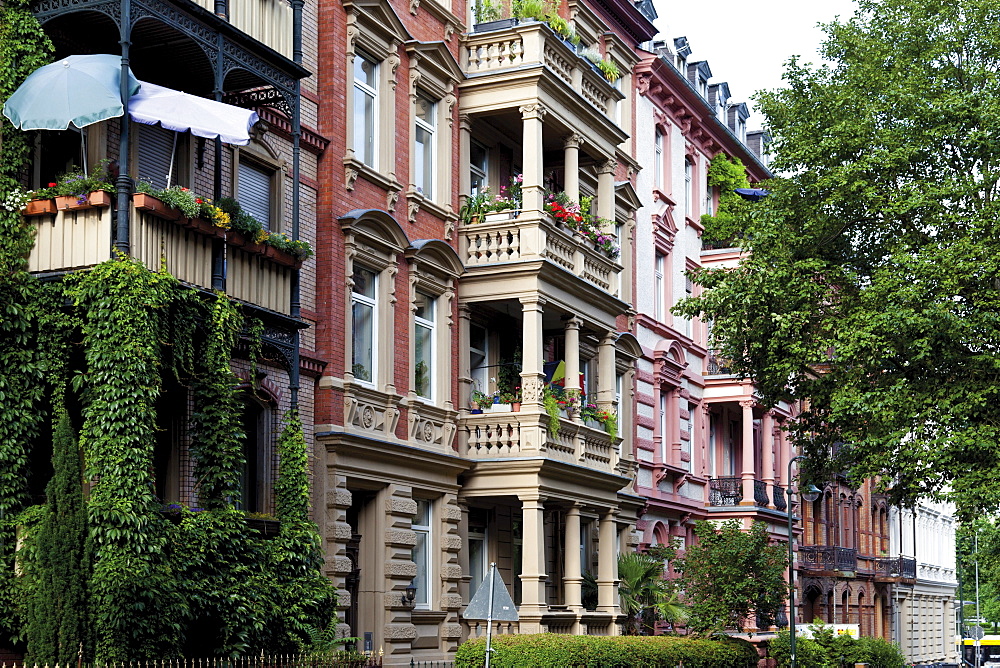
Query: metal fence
(431, 664)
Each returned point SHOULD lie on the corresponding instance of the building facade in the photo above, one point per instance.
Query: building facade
(926, 610)
(705, 448)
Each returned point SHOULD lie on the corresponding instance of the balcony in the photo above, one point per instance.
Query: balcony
(820, 558)
(527, 46)
(725, 491)
(493, 436)
(895, 569)
(717, 365)
(71, 239)
(534, 236)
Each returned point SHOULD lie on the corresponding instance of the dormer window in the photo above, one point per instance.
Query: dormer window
(703, 87)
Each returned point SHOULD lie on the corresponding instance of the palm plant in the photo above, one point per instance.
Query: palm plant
(645, 595)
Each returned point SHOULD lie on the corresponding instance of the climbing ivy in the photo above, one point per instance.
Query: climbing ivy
(727, 174)
(218, 434)
(291, 491)
(23, 48)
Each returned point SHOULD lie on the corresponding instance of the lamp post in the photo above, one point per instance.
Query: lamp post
(810, 494)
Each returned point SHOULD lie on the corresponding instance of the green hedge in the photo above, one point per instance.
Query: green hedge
(828, 651)
(549, 650)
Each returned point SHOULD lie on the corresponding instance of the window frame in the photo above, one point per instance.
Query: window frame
(372, 92)
(429, 324)
(262, 156)
(373, 303)
(423, 598)
(428, 169)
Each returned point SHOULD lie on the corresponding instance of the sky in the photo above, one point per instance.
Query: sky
(747, 43)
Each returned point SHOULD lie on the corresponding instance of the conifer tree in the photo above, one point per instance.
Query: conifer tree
(57, 610)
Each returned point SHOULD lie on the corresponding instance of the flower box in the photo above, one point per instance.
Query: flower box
(281, 257)
(202, 226)
(146, 202)
(39, 207)
(500, 408)
(71, 203)
(99, 198)
(499, 24)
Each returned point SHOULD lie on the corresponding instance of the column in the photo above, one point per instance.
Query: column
(783, 457)
(533, 576)
(464, 372)
(532, 373)
(606, 375)
(606, 189)
(607, 565)
(767, 456)
(532, 156)
(464, 155)
(572, 334)
(571, 160)
(572, 568)
(674, 425)
(747, 450)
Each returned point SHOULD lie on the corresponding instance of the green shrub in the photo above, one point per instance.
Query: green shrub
(550, 650)
(830, 651)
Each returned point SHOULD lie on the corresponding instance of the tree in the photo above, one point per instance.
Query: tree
(871, 280)
(730, 574)
(57, 609)
(644, 594)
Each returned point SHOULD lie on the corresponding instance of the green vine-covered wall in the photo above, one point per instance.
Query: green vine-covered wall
(100, 567)
(23, 48)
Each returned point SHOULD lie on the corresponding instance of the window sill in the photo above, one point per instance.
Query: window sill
(353, 168)
(417, 201)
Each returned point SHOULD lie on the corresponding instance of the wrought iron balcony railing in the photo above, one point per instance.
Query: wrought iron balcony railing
(896, 567)
(779, 498)
(820, 558)
(725, 491)
(760, 493)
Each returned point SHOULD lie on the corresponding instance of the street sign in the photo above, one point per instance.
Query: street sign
(503, 606)
(976, 632)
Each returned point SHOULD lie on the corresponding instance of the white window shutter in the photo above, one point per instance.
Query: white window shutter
(254, 193)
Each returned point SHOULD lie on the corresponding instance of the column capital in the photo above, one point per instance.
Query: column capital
(574, 140)
(573, 323)
(531, 498)
(533, 111)
(748, 403)
(608, 166)
(532, 302)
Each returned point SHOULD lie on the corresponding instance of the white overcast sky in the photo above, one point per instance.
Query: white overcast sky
(747, 43)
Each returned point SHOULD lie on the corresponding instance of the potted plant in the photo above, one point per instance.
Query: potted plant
(609, 69)
(489, 15)
(482, 401)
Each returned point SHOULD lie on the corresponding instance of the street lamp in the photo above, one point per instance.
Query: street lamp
(809, 494)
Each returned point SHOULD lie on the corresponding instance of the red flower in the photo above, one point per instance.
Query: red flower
(53, 185)
(198, 200)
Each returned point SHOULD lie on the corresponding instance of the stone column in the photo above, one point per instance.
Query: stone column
(606, 189)
(607, 565)
(452, 518)
(571, 160)
(572, 568)
(398, 570)
(674, 425)
(748, 458)
(783, 457)
(606, 376)
(767, 456)
(464, 372)
(533, 576)
(532, 159)
(532, 372)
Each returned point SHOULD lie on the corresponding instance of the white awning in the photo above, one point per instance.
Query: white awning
(181, 112)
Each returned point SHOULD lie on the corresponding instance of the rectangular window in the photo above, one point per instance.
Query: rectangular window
(422, 554)
(658, 161)
(363, 323)
(664, 421)
(478, 358)
(254, 192)
(688, 188)
(423, 346)
(478, 165)
(659, 289)
(424, 158)
(477, 559)
(365, 108)
(157, 155)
